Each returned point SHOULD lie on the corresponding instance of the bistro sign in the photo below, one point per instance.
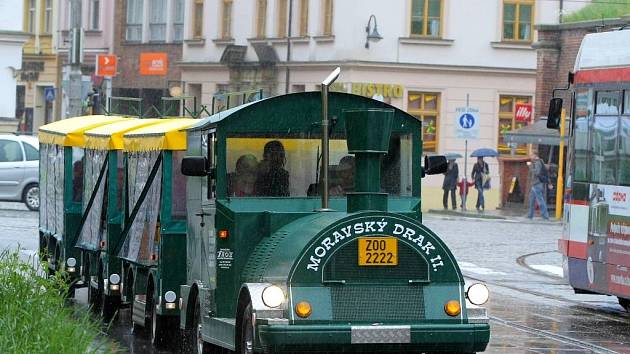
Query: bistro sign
(369, 89)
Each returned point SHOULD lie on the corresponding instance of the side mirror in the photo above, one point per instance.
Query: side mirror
(434, 165)
(555, 113)
(195, 166)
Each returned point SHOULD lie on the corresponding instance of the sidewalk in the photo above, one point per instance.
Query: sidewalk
(516, 215)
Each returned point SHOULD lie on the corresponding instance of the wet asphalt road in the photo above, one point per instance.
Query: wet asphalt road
(532, 310)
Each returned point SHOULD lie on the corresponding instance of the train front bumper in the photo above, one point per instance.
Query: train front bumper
(471, 337)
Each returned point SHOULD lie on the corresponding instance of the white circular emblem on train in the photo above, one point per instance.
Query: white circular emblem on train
(590, 273)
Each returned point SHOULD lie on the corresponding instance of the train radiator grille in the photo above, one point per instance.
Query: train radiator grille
(370, 303)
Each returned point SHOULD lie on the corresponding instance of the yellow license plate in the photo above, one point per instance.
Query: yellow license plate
(378, 251)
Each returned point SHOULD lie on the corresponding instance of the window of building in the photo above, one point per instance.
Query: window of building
(157, 20)
(298, 88)
(261, 18)
(197, 19)
(303, 18)
(282, 18)
(226, 30)
(95, 13)
(134, 20)
(48, 17)
(507, 121)
(31, 15)
(518, 16)
(426, 107)
(426, 18)
(328, 17)
(178, 20)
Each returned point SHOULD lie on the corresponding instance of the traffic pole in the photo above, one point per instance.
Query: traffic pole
(560, 182)
(75, 87)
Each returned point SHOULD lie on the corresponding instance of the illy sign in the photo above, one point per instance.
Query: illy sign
(523, 112)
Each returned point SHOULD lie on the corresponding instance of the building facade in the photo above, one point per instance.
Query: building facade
(97, 21)
(12, 38)
(148, 38)
(38, 81)
(436, 59)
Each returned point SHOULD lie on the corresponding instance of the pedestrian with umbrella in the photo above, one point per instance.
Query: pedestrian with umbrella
(481, 174)
(450, 180)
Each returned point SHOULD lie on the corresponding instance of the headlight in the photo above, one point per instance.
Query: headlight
(273, 296)
(114, 278)
(478, 294)
(71, 262)
(170, 296)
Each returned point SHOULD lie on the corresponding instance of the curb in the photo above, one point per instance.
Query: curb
(478, 215)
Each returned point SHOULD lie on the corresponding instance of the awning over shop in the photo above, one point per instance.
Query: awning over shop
(536, 133)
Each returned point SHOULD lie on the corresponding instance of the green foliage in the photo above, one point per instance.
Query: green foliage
(599, 9)
(34, 318)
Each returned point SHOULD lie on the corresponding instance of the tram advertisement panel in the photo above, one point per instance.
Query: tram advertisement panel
(609, 239)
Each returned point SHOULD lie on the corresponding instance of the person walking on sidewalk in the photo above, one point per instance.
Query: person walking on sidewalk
(481, 178)
(539, 179)
(450, 184)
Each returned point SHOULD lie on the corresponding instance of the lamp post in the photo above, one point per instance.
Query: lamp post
(373, 35)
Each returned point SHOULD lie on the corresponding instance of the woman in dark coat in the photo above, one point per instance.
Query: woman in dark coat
(450, 184)
(480, 169)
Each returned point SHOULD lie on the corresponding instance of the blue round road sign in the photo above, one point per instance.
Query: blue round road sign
(466, 121)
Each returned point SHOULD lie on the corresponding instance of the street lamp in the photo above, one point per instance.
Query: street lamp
(374, 35)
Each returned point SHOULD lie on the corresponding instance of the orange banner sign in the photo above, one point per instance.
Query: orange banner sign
(106, 65)
(153, 63)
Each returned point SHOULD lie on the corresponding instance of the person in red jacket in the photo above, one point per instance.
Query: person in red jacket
(464, 186)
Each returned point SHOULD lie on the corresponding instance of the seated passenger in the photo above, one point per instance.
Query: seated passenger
(272, 180)
(344, 183)
(241, 181)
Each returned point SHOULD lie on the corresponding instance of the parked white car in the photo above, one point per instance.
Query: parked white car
(19, 169)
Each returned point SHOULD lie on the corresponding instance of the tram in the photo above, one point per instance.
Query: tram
(595, 241)
(288, 224)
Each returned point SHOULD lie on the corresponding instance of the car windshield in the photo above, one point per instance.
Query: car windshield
(277, 166)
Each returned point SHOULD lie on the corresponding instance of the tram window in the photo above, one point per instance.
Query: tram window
(608, 103)
(178, 195)
(77, 174)
(581, 149)
(626, 102)
(604, 159)
(624, 151)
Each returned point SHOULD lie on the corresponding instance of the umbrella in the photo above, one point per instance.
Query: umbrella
(484, 152)
(452, 155)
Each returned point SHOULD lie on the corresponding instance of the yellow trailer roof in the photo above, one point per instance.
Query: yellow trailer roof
(109, 137)
(168, 135)
(69, 132)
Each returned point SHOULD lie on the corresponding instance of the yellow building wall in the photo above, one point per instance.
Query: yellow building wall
(432, 198)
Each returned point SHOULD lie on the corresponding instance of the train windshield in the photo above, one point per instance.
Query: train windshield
(277, 166)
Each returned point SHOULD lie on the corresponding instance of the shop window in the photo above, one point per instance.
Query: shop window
(197, 19)
(327, 17)
(282, 18)
(303, 18)
(426, 18)
(518, 16)
(226, 20)
(134, 20)
(507, 121)
(426, 107)
(261, 18)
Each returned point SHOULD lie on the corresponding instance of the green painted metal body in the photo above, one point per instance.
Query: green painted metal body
(286, 242)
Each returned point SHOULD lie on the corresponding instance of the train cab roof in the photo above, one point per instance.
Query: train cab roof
(170, 134)
(70, 131)
(109, 137)
(294, 112)
(604, 50)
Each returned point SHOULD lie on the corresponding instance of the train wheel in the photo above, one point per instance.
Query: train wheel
(245, 344)
(625, 303)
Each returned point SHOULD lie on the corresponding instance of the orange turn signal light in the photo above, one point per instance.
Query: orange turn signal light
(303, 309)
(223, 234)
(102, 244)
(452, 308)
(154, 257)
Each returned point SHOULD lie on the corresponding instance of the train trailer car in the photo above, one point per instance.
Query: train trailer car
(595, 241)
(272, 268)
(152, 244)
(60, 181)
(102, 216)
